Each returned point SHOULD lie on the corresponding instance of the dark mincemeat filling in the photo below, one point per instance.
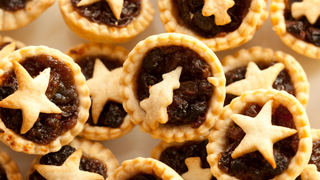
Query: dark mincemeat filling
(282, 82)
(113, 113)
(191, 100)
(175, 156)
(143, 176)
(58, 158)
(253, 165)
(301, 28)
(13, 5)
(101, 13)
(61, 91)
(190, 13)
(3, 174)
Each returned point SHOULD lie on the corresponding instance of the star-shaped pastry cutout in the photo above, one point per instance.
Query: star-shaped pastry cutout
(30, 96)
(260, 134)
(103, 87)
(219, 9)
(309, 8)
(5, 51)
(161, 96)
(310, 172)
(115, 5)
(68, 170)
(195, 171)
(255, 79)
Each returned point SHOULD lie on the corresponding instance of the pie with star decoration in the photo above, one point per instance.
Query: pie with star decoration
(44, 101)
(263, 134)
(107, 21)
(297, 23)
(101, 64)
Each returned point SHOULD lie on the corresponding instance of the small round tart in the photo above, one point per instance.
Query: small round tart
(15, 14)
(144, 167)
(241, 76)
(262, 134)
(188, 159)
(222, 31)
(5, 40)
(167, 75)
(8, 168)
(113, 121)
(44, 101)
(298, 33)
(94, 162)
(96, 31)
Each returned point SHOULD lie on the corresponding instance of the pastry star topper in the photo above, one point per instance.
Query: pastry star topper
(255, 79)
(5, 51)
(103, 85)
(195, 171)
(68, 170)
(219, 9)
(115, 5)
(309, 8)
(30, 96)
(260, 134)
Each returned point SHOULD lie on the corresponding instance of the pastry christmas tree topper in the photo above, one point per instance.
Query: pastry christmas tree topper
(115, 5)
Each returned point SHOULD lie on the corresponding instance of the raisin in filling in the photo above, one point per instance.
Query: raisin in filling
(113, 113)
(282, 82)
(101, 13)
(191, 100)
(301, 28)
(190, 12)
(13, 5)
(58, 158)
(143, 176)
(253, 165)
(61, 91)
(175, 156)
(3, 175)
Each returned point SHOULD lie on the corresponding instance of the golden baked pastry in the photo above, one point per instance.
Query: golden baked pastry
(262, 133)
(173, 87)
(8, 168)
(105, 27)
(112, 120)
(45, 100)
(277, 70)
(5, 40)
(14, 15)
(219, 31)
(144, 167)
(298, 25)
(82, 159)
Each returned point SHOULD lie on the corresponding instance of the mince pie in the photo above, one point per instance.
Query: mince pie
(297, 23)
(9, 169)
(15, 14)
(263, 68)
(189, 159)
(44, 100)
(263, 134)
(144, 168)
(173, 87)
(219, 24)
(101, 64)
(113, 21)
(82, 159)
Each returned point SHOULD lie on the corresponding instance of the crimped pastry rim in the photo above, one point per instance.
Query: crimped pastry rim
(218, 140)
(152, 166)
(115, 52)
(258, 54)
(10, 166)
(131, 102)
(19, 44)
(278, 22)
(103, 33)
(17, 19)
(20, 144)
(233, 39)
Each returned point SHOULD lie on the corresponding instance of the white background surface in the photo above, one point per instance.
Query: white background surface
(50, 30)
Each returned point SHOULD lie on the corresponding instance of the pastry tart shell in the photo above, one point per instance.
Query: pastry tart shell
(20, 144)
(218, 140)
(11, 168)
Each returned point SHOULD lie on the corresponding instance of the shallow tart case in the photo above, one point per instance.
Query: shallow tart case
(157, 63)
(9, 167)
(267, 127)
